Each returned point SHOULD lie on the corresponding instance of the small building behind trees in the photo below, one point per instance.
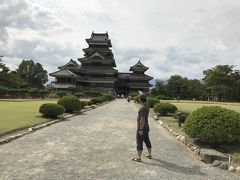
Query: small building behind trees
(97, 71)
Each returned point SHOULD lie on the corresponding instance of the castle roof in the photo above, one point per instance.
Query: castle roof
(71, 63)
(138, 67)
(99, 39)
(63, 73)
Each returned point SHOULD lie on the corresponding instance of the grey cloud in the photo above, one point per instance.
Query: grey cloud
(22, 14)
(3, 35)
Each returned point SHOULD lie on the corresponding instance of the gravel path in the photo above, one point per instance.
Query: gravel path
(99, 144)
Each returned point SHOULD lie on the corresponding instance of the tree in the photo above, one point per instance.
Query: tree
(9, 78)
(159, 88)
(220, 81)
(32, 73)
(194, 88)
(177, 86)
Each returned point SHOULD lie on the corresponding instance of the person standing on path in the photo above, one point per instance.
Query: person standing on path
(143, 129)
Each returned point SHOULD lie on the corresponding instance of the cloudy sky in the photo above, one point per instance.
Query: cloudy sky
(170, 36)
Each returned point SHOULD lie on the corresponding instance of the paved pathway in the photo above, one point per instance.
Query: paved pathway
(99, 144)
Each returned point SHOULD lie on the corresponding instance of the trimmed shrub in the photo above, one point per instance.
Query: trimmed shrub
(152, 101)
(14, 93)
(79, 95)
(89, 103)
(107, 97)
(163, 97)
(91, 93)
(53, 96)
(136, 99)
(213, 125)
(23, 93)
(33, 92)
(61, 94)
(43, 93)
(51, 110)
(133, 94)
(3, 91)
(84, 103)
(96, 100)
(70, 103)
(164, 108)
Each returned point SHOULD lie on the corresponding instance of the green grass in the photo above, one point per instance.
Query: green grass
(236, 158)
(21, 113)
(191, 106)
(17, 114)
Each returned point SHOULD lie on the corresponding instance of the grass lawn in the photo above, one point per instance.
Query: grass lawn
(16, 114)
(190, 106)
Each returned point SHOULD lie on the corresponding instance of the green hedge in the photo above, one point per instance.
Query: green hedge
(3, 91)
(214, 125)
(136, 99)
(164, 108)
(107, 97)
(152, 101)
(51, 110)
(61, 94)
(79, 95)
(96, 100)
(163, 97)
(70, 103)
(92, 94)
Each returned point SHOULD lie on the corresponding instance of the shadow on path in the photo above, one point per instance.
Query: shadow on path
(195, 170)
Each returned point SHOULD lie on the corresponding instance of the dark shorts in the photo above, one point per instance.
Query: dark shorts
(144, 138)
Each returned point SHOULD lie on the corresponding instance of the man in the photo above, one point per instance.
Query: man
(143, 129)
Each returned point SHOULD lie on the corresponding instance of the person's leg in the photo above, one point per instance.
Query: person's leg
(139, 140)
(148, 143)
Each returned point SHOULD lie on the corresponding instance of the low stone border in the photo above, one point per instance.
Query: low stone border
(29, 130)
(209, 156)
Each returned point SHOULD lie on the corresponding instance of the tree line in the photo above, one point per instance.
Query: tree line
(220, 83)
(28, 74)
(28, 77)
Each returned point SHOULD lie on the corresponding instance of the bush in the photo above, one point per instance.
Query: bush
(163, 97)
(3, 91)
(107, 97)
(61, 94)
(213, 125)
(51, 110)
(70, 103)
(92, 93)
(89, 103)
(133, 94)
(96, 100)
(79, 95)
(14, 93)
(152, 102)
(53, 96)
(33, 92)
(136, 99)
(164, 108)
(84, 103)
(43, 93)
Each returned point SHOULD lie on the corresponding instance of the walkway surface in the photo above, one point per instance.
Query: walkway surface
(99, 144)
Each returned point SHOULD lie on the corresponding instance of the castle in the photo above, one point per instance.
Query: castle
(97, 71)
